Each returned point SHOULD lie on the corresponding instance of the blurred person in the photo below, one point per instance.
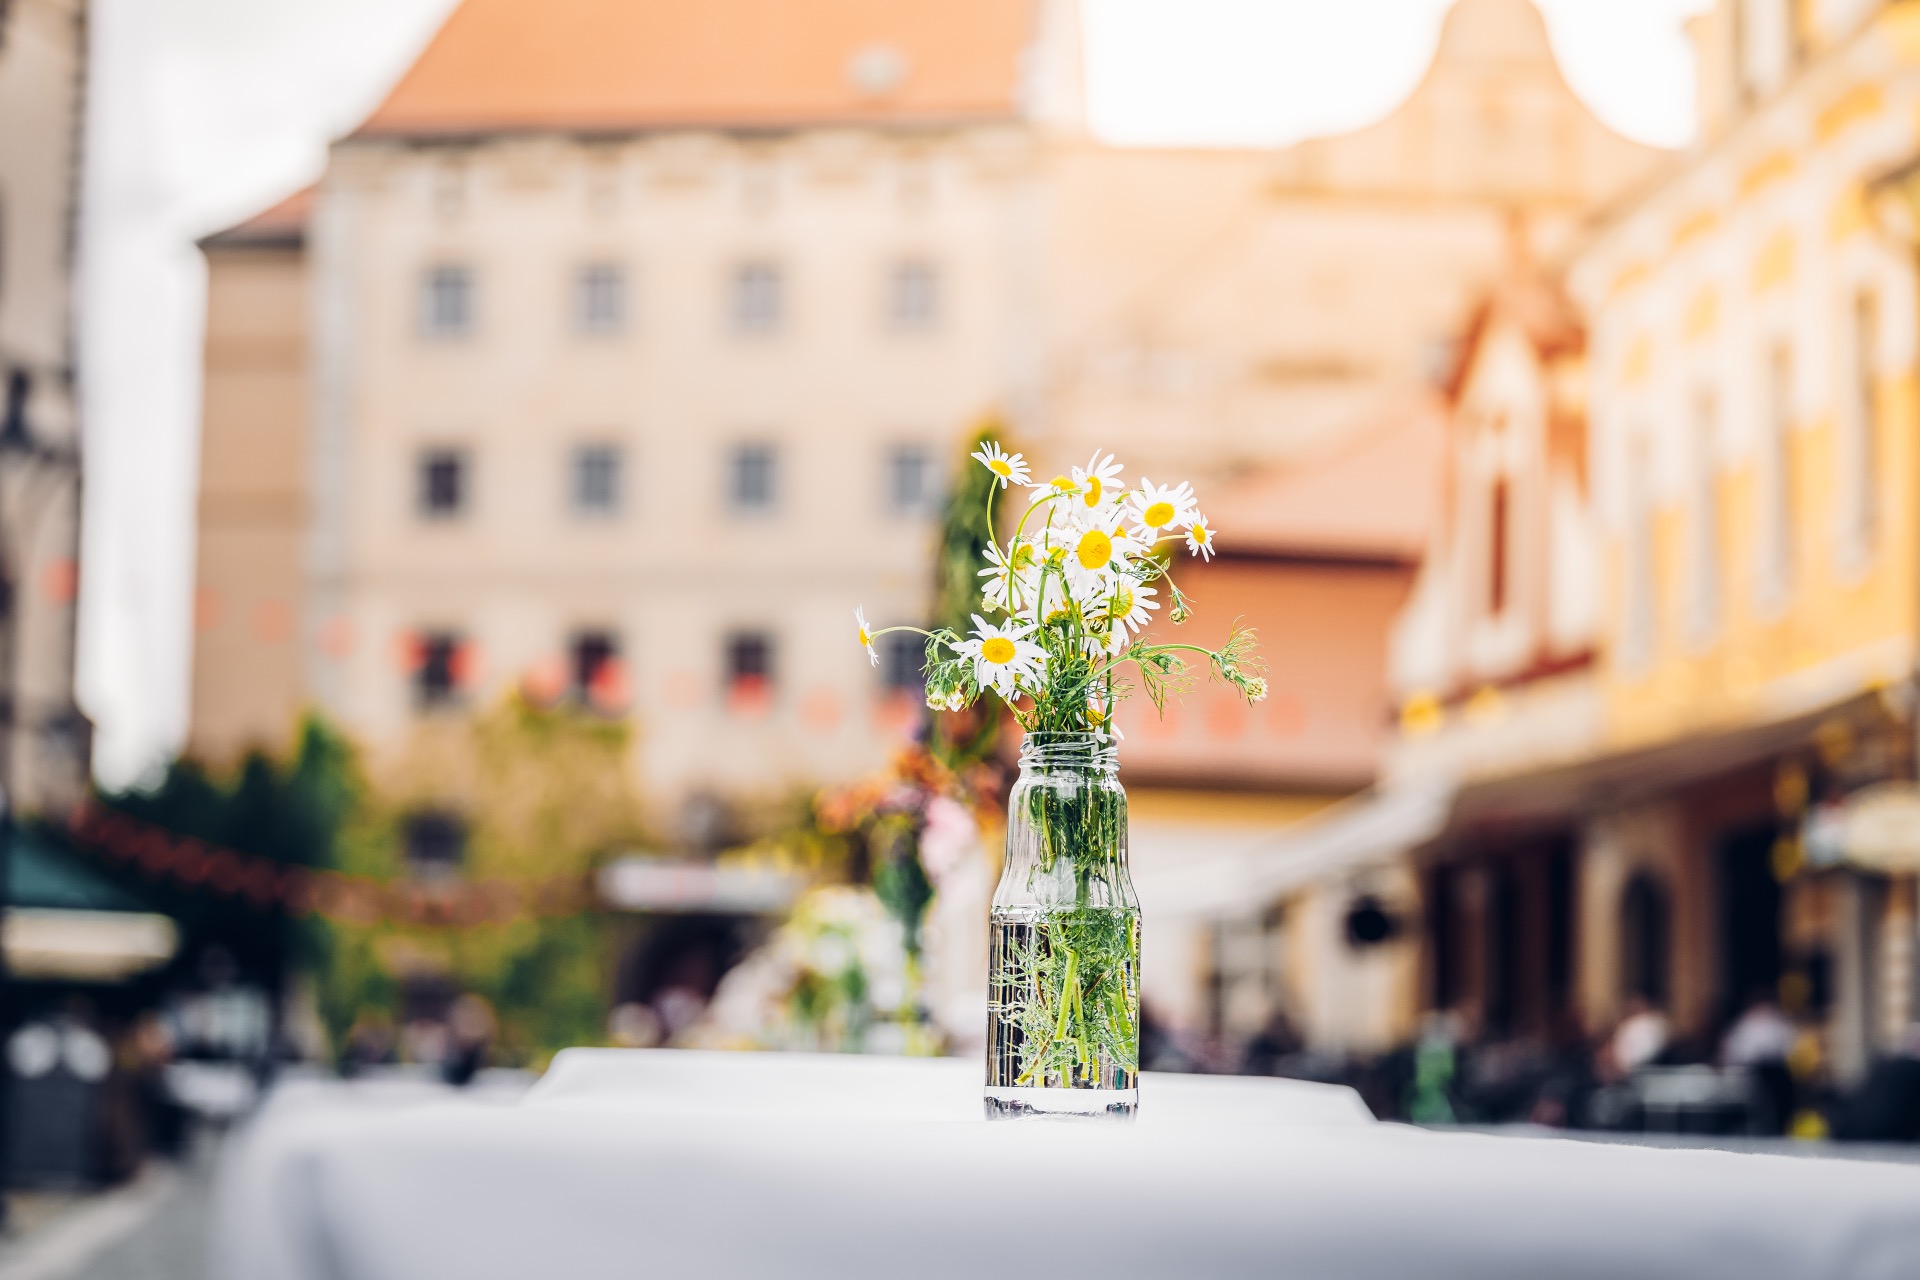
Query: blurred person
(1641, 1037)
(1759, 1042)
(1271, 1046)
(1885, 1106)
(634, 1026)
(1436, 1060)
(370, 1042)
(471, 1027)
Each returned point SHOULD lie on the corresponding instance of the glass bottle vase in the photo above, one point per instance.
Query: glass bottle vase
(1063, 1020)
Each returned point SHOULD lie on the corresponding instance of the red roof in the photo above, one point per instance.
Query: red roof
(1373, 496)
(609, 65)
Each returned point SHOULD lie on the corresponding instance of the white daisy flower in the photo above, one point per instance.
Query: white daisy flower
(1100, 481)
(1200, 536)
(1100, 719)
(866, 634)
(1003, 656)
(1158, 508)
(1010, 467)
(1060, 487)
(1097, 552)
(1130, 608)
(1010, 580)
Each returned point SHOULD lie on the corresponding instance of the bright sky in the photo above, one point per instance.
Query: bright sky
(207, 110)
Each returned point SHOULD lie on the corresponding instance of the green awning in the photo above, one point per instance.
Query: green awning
(41, 874)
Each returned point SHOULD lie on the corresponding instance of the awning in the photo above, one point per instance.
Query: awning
(86, 946)
(1372, 830)
(655, 884)
(67, 921)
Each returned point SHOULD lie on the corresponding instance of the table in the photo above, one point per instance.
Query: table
(634, 1163)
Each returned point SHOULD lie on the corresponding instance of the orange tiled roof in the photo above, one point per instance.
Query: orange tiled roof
(1372, 497)
(593, 65)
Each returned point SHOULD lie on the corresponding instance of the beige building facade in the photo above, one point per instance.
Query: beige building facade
(42, 98)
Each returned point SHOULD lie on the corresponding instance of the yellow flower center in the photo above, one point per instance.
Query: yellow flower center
(1202, 535)
(1023, 556)
(1158, 516)
(1001, 467)
(998, 650)
(1063, 485)
(1095, 488)
(1122, 604)
(1095, 550)
(1095, 715)
(866, 637)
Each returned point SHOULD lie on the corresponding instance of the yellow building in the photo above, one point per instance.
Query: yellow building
(1753, 396)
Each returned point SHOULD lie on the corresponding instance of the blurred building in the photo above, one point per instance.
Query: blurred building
(640, 354)
(46, 743)
(639, 351)
(1656, 682)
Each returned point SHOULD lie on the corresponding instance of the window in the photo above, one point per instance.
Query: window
(1861, 464)
(446, 303)
(758, 302)
(443, 483)
(596, 479)
(753, 478)
(1499, 517)
(903, 663)
(1776, 478)
(600, 298)
(436, 844)
(439, 670)
(749, 667)
(596, 668)
(911, 485)
(1704, 521)
(913, 296)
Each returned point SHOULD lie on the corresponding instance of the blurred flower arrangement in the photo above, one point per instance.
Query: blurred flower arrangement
(852, 968)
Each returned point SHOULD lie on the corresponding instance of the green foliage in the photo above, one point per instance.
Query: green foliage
(289, 811)
(965, 535)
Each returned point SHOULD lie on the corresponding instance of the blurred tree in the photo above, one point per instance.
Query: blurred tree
(959, 739)
(290, 812)
(539, 797)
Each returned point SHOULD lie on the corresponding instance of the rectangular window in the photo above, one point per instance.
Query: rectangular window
(1778, 509)
(436, 844)
(758, 302)
(446, 302)
(913, 295)
(441, 491)
(595, 674)
(439, 671)
(1704, 522)
(749, 667)
(753, 478)
(1498, 520)
(600, 298)
(1863, 428)
(595, 482)
(903, 663)
(912, 487)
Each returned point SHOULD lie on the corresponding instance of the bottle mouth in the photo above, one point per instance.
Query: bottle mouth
(1088, 748)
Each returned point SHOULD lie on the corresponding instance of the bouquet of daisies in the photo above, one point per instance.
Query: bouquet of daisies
(1068, 596)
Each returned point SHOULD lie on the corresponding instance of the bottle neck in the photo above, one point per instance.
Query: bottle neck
(1091, 754)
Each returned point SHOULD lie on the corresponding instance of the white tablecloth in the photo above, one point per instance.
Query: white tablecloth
(641, 1164)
